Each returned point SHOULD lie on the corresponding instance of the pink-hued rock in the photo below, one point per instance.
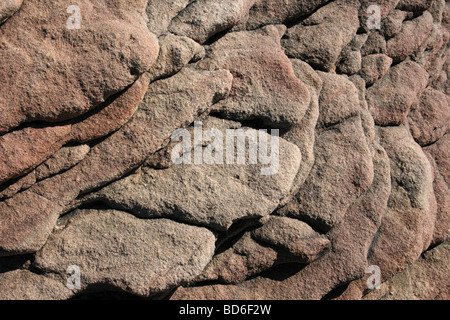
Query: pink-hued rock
(25, 226)
(386, 7)
(442, 193)
(346, 261)
(202, 19)
(408, 224)
(293, 236)
(266, 12)
(374, 44)
(414, 5)
(105, 243)
(374, 67)
(425, 279)
(338, 100)
(25, 285)
(429, 119)
(320, 38)
(244, 259)
(8, 8)
(432, 54)
(113, 116)
(9, 189)
(212, 195)
(90, 119)
(391, 98)
(53, 73)
(24, 149)
(26, 221)
(303, 134)
(393, 23)
(441, 154)
(174, 53)
(264, 85)
(408, 40)
(161, 12)
(64, 159)
(342, 158)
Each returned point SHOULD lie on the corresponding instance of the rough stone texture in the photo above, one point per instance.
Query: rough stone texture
(438, 154)
(8, 8)
(408, 40)
(315, 280)
(212, 195)
(386, 7)
(303, 134)
(408, 224)
(174, 53)
(104, 244)
(425, 279)
(429, 119)
(393, 23)
(442, 193)
(293, 236)
(20, 152)
(204, 18)
(320, 38)
(349, 62)
(28, 218)
(65, 158)
(374, 44)
(264, 87)
(266, 12)
(23, 150)
(14, 186)
(95, 122)
(374, 67)
(338, 99)
(25, 285)
(244, 259)
(342, 158)
(414, 5)
(41, 56)
(161, 12)
(391, 98)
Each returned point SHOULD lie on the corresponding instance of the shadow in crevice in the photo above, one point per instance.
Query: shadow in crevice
(336, 292)
(104, 292)
(12, 263)
(283, 271)
(299, 19)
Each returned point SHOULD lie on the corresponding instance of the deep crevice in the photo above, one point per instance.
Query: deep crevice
(289, 23)
(336, 292)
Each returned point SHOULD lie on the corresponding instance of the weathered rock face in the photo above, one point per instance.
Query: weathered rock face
(391, 98)
(42, 57)
(8, 8)
(264, 83)
(265, 12)
(238, 149)
(203, 19)
(104, 244)
(320, 38)
(425, 279)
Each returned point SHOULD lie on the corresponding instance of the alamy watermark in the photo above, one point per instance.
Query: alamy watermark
(374, 281)
(74, 21)
(74, 280)
(374, 19)
(213, 147)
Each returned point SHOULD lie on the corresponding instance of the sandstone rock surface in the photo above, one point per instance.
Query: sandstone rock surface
(103, 244)
(224, 149)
